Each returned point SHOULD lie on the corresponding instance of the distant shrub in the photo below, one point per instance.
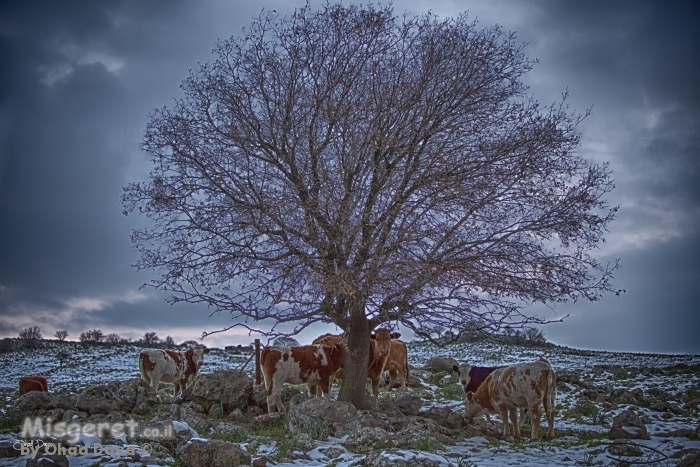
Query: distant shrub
(169, 342)
(30, 337)
(113, 338)
(188, 343)
(93, 335)
(30, 333)
(62, 356)
(285, 342)
(7, 345)
(61, 335)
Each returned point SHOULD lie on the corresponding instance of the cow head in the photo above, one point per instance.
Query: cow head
(463, 372)
(472, 409)
(196, 353)
(382, 337)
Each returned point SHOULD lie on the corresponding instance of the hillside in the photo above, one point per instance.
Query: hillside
(594, 387)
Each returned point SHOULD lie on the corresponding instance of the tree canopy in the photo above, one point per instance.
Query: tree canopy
(354, 166)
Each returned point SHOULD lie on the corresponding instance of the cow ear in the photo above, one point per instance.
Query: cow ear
(207, 350)
(395, 335)
(455, 368)
(470, 396)
(373, 336)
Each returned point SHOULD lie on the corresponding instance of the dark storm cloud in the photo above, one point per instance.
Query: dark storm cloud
(77, 83)
(79, 78)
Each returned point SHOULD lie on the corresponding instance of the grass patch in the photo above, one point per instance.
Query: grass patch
(436, 377)
(12, 421)
(236, 436)
(427, 444)
(452, 391)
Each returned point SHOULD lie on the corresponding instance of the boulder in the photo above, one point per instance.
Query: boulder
(32, 402)
(628, 425)
(119, 396)
(321, 417)
(367, 439)
(213, 453)
(441, 364)
(409, 405)
(624, 449)
(444, 416)
(224, 390)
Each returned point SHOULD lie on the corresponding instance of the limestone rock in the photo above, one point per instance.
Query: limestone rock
(213, 453)
(321, 417)
(628, 425)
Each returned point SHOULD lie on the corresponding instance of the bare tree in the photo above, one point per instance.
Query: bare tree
(169, 342)
(113, 338)
(32, 333)
(285, 342)
(61, 335)
(351, 166)
(93, 335)
(150, 339)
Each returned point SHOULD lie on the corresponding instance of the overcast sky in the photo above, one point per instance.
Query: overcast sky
(78, 80)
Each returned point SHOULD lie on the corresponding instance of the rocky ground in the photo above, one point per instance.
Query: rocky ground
(612, 409)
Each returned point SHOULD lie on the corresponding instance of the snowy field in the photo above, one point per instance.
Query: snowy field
(580, 438)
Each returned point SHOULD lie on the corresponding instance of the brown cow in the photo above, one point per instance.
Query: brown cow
(525, 385)
(312, 364)
(168, 366)
(397, 363)
(33, 383)
(379, 349)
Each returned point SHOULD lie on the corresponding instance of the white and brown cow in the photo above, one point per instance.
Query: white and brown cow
(521, 386)
(168, 366)
(379, 350)
(312, 364)
(471, 377)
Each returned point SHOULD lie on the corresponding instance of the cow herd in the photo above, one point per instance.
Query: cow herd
(507, 391)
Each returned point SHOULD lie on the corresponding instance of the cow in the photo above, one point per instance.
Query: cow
(397, 363)
(168, 366)
(315, 365)
(33, 383)
(507, 389)
(471, 377)
(379, 349)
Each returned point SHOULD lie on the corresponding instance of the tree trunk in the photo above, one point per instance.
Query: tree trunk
(355, 369)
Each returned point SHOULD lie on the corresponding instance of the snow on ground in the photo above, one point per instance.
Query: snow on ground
(578, 440)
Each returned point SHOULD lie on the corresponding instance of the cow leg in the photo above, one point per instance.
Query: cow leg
(392, 379)
(313, 390)
(504, 417)
(535, 421)
(513, 412)
(375, 387)
(522, 417)
(549, 411)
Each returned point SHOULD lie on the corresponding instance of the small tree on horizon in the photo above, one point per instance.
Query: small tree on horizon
(61, 335)
(31, 333)
(285, 342)
(150, 339)
(113, 338)
(93, 335)
(356, 167)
